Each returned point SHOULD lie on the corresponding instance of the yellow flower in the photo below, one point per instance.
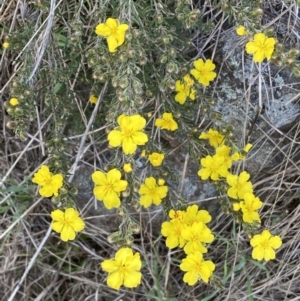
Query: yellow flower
(196, 235)
(262, 47)
(161, 182)
(241, 31)
(143, 153)
(196, 268)
(66, 223)
(224, 151)
(130, 134)
(156, 159)
(184, 90)
(127, 167)
(172, 230)
(124, 269)
(50, 183)
(5, 45)
(204, 71)
(194, 215)
(239, 185)
(215, 139)
(93, 99)
(108, 187)
(113, 31)
(176, 215)
(212, 167)
(264, 245)
(152, 193)
(241, 155)
(249, 207)
(167, 122)
(14, 101)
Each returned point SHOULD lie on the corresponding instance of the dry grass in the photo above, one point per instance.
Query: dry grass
(36, 265)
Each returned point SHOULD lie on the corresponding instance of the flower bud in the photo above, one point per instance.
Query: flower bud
(136, 32)
(143, 61)
(128, 36)
(74, 190)
(258, 12)
(139, 100)
(171, 84)
(131, 53)
(194, 15)
(122, 97)
(55, 200)
(149, 93)
(163, 59)
(137, 87)
(22, 136)
(123, 82)
(15, 84)
(103, 78)
(123, 57)
(18, 111)
(115, 82)
(180, 16)
(160, 18)
(10, 111)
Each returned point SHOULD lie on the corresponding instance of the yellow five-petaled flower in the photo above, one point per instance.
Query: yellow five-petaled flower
(129, 134)
(196, 268)
(66, 223)
(264, 245)
(113, 31)
(152, 193)
(50, 184)
(184, 90)
(203, 71)
(166, 122)
(262, 47)
(108, 187)
(124, 269)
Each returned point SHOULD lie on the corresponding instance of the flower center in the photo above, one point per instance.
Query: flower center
(128, 132)
(265, 244)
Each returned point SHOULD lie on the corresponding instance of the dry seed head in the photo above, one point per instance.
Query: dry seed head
(10, 111)
(172, 68)
(135, 228)
(296, 70)
(129, 239)
(114, 237)
(11, 125)
(293, 53)
(135, 204)
(126, 193)
(121, 211)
